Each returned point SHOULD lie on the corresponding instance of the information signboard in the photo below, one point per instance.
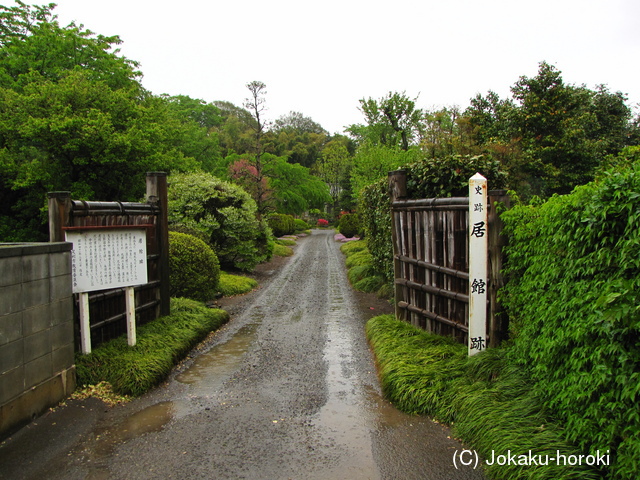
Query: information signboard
(108, 258)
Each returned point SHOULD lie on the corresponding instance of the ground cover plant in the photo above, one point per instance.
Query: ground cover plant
(282, 250)
(160, 345)
(362, 274)
(490, 405)
(286, 241)
(231, 285)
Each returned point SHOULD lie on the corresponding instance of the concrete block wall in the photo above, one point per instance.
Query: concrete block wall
(36, 331)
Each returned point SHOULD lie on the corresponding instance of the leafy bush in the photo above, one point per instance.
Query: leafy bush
(449, 176)
(572, 297)
(300, 225)
(323, 223)
(375, 216)
(194, 270)
(349, 225)
(281, 224)
(221, 214)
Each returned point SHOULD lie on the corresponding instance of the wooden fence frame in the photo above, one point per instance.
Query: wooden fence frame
(430, 291)
(108, 307)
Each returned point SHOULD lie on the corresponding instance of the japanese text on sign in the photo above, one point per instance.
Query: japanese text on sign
(104, 259)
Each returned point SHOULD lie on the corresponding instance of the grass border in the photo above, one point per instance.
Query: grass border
(161, 344)
(489, 404)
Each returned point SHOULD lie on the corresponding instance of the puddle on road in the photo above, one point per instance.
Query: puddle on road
(348, 415)
(210, 369)
(147, 420)
(205, 375)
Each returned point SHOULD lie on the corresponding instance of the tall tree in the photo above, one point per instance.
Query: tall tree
(551, 136)
(334, 167)
(199, 125)
(73, 116)
(392, 121)
(33, 41)
(255, 104)
(298, 138)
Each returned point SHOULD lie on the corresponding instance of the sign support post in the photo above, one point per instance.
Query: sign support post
(130, 301)
(85, 327)
(478, 223)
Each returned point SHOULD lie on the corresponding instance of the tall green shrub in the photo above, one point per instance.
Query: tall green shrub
(221, 214)
(573, 298)
(194, 270)
(349, 225)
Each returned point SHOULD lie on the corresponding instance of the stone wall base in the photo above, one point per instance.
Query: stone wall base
(34, 402)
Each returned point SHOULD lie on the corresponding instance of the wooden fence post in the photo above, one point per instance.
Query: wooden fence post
(157, 193)
(397, 191)
(59, 211)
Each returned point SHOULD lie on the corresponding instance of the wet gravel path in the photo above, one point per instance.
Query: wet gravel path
(286, 390)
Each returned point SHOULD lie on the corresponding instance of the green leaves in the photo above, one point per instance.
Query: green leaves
(573, 297)
(223, 215)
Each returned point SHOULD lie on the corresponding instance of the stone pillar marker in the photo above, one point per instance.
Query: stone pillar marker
(478, 248)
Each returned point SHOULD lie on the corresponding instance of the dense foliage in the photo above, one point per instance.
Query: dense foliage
(223, 215)
(194, 270)
(73, 116)
(429, 178)
(551, 136)
(573, 298)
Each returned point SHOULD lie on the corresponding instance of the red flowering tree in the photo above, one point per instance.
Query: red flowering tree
(245, 174)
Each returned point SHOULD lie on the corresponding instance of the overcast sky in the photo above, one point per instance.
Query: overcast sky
(320, 58)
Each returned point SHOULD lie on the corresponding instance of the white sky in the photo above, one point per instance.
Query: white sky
(321, 58)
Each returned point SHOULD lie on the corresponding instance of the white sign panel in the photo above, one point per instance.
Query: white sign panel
(104, 259)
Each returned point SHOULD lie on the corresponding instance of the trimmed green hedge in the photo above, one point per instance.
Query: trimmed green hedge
(349, 225)
(194, 270)
(300, 225)
(429, 178)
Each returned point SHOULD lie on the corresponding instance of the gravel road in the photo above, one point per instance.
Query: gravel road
(286, 390)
